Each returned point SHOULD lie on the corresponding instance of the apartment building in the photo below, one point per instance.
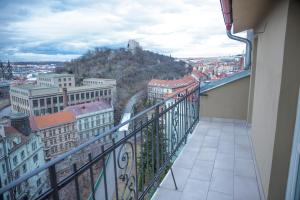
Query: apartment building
(57, 130)
(21, 153)
(92, 118)
(40, 100)
(56, 80)
(158, 89)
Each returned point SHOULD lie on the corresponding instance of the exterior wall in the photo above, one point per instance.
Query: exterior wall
(58, 139)
(57, 80)
(227, 101)
(38, 101)
(158, 93)
(93, 124)
(275, 95)
(18, 161)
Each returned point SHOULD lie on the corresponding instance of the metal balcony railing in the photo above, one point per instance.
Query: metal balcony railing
(128, 166)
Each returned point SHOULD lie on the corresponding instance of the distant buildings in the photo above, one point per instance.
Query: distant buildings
(160, 89)
(56, 80)
(57, 130)
(20, 152)
(55, 92)
(92, 118)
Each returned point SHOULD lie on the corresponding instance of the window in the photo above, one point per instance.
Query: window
(49, 110)
(55, 109)
(48, 101)
(105, 92)
(98, 120)
(61, 99)
(86, 123)
(59, 130)
(77, 96)
(24, 168)
(69, 79)
(54, 100)
(35, 158)
(65, 79)
(97, 93)
(101, 92)
(15, 160)
(65, 84)
(87, 95)
(59, 85)
(22, 154)
(35, 103)
(82, 95)
(92, 94)
(59, 80)
(70, 84)
(17, 174)
(109, 92)
(3, 168)
(33, 146)
(72, 97)
(42, 102)
(38, 182)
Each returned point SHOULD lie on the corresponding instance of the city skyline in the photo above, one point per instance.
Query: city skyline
(63, 30)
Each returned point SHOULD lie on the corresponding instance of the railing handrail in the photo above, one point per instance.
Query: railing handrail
(65, 155)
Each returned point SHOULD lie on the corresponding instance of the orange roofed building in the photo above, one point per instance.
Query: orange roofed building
(57, 130)
(160, 89)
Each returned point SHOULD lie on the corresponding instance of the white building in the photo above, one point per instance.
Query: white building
(92, 118)
(40, 99)
(56, 80)
(19, 154)
(132, 45)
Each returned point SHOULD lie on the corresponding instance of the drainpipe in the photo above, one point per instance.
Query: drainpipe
(248, 47)
(227, 15)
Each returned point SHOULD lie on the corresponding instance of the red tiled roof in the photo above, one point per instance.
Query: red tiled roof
(181, 90)
(51, 120)
(186, 80)
(198, 74)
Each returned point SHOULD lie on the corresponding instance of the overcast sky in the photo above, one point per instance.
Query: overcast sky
(59, 30)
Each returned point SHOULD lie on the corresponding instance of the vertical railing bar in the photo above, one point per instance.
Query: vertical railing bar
(142, 156)
(152, 139)
(136, 174)
(157, 137)
(104, 174)
(76, 182)
(92, 177)
(53, 182)
(115, 170)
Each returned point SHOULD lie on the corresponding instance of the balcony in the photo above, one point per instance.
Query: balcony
(215, 164)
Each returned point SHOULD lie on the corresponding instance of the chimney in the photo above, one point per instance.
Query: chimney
(65, 97)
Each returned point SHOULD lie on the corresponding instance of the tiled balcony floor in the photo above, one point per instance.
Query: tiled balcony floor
(215, 164)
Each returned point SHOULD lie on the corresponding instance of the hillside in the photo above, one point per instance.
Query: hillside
(131, 70)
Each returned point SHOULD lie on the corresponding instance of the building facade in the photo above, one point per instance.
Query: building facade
(92, 118)
(56, 80)
(158, 89)
(57, 130)
(40, 100)
(19, 154)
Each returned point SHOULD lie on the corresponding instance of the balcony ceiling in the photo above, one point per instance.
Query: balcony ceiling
(247, 13)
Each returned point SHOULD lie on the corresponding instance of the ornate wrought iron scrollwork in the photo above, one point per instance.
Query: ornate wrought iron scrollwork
(126, 161)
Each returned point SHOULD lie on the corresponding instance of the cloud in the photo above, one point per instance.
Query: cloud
(64, 29)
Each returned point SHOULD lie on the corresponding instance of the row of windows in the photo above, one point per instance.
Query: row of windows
(88, 95)
(48, 101)
(53, 141)
(21, 101)
(56, 131)
(22, 155)
(65, 79)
